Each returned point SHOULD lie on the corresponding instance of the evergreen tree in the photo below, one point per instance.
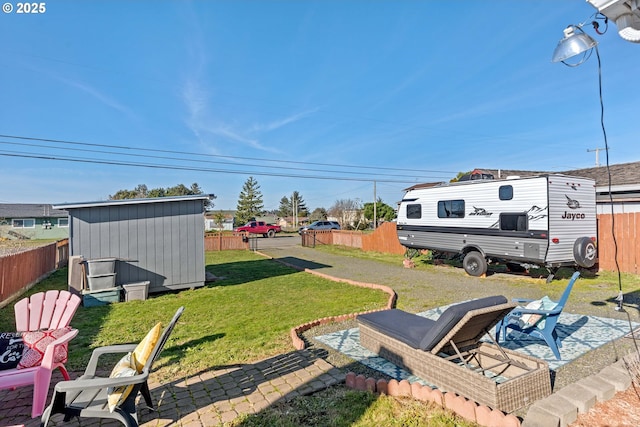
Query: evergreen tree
(249, 203)
(285, 208)
(287, 205)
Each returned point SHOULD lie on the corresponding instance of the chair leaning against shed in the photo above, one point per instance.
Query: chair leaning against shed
(448, 352)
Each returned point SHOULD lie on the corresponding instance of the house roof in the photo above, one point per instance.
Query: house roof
(621, 174)
(131, 201)
(30, 210)
(625, 179)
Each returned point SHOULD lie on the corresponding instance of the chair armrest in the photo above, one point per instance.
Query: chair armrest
(520, 311)
(98, 383)
(522, 300)
(47, 358)
(92, 366)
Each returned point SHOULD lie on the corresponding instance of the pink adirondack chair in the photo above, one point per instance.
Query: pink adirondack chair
(44, 310)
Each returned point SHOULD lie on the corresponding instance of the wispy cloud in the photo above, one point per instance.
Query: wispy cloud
(201, 118)
(277, 124)
(103, 98)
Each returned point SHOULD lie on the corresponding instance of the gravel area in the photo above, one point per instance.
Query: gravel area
(420, 290)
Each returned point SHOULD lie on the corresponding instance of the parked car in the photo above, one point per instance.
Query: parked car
(260, 227)
(320, 225)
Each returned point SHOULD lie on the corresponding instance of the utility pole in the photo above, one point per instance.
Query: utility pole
(597, 151)
(375, 205)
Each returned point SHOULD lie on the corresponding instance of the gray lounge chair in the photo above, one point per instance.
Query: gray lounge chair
(86, 396)
(448, 352)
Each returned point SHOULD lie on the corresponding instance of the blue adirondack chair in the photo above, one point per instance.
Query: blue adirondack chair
(545, 321)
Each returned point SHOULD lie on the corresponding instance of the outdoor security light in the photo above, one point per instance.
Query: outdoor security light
(625, 14)
(575, 42)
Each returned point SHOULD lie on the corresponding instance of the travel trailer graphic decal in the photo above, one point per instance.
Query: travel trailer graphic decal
(573, 204)
(480, 212)
(534, 213)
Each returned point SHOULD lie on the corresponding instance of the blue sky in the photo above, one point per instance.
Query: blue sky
(352, 92)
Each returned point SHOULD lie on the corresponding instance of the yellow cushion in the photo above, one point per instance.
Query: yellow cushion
(130, 365)
(143, 350)
(124, 368)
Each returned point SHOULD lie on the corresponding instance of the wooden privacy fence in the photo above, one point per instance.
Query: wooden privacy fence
(383, 239)
(225, 241)
(626, 228)
(311, 238)
(20, 271)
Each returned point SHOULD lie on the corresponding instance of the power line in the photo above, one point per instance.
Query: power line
(175, 167)
(22, 144)
(152, 150)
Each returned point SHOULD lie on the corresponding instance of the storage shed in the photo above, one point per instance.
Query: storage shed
(157, 239)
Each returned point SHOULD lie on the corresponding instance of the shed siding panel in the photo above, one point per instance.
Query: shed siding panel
(175, 239)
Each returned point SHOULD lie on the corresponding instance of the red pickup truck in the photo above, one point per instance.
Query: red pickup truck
(260, 227)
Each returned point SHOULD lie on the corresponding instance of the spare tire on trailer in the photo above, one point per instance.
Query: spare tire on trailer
(585, 252)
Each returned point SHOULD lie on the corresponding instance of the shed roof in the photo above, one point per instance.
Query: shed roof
(130, 201)
(30, 210)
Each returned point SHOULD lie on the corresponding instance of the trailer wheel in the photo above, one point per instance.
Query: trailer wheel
(584, 252)
(474, 264)
(271, 233)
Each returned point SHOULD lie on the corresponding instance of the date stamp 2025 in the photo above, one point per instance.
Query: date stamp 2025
(25, 8)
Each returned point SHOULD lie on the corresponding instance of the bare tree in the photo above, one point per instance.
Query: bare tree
(347, 211)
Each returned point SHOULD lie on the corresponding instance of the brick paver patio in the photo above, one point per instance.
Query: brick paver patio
(207, 399)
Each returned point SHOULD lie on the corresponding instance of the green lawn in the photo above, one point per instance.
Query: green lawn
(244, 317)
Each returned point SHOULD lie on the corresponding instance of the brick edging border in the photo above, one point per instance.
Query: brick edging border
(295, 332)
(462, 406)
(465, 408)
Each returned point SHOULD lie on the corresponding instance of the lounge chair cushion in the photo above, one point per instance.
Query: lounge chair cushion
(452, 316)
(420, 332)
(406, 327)
(36, 343)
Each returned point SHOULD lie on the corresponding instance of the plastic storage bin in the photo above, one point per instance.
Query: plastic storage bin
(100, 266)
(102, 297)
(136, 291)
(103, 281)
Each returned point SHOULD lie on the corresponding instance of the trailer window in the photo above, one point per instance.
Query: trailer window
(513, 222)
(505, 192)
(451, 209)
(414, 211)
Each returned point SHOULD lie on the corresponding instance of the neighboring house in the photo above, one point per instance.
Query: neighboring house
(157, 239)
(33, 221)
(210, 223)
(269, 219)
(288, 221)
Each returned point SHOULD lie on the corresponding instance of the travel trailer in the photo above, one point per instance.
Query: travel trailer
(547, 220)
